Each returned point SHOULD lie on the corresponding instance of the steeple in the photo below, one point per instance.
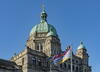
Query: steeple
(43, 15)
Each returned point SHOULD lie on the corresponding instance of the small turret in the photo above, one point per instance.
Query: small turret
(82, 53)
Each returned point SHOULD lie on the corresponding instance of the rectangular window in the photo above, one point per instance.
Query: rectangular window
(34, 61)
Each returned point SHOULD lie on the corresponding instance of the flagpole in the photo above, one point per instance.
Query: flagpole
(71, 61)
(50, 68)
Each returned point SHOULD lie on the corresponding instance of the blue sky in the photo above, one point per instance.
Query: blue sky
(75, 21)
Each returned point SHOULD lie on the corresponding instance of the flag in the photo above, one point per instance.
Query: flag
(67, 55)
(62, 57)
(58, 55)
(57, 58)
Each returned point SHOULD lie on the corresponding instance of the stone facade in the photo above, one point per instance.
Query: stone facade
(9, 66)
(44, 42)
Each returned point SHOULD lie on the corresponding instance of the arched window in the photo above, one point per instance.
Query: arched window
(69, 66)
(76, 69)
(85, 70)
(61, 65)
(39, 47)
(73, 67)
(65, 65)
(39, 62)
(77, 61)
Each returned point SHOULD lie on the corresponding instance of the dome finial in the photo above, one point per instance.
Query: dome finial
(43, 8)
(81, 42)
(43, 14)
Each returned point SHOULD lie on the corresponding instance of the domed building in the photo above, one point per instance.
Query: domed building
(44, 42)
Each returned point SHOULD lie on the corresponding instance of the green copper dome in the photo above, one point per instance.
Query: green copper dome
(43, 27)
(81, 46)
